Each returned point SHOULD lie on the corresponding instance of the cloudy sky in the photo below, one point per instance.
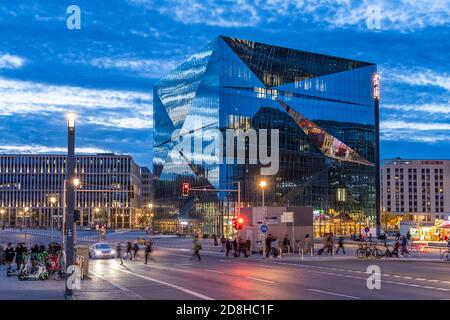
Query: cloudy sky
(105, 71)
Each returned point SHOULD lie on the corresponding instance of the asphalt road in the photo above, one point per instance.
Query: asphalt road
(172, 275)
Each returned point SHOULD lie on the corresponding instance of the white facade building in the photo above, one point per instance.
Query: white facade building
(416, 187)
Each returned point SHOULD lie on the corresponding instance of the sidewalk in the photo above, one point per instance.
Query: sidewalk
(12, 288)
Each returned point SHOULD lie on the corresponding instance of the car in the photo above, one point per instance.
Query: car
(101, 250)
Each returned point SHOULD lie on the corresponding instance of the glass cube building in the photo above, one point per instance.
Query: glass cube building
(324, 108)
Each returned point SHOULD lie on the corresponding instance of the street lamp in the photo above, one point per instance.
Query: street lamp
(70, 196)
(2, 212)
(53, 202)
(263, 184)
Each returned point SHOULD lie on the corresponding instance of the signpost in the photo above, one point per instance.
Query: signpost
(264, 228)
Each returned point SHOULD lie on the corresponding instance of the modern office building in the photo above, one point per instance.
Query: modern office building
(32, 189)
(417, 192)
(325, 109)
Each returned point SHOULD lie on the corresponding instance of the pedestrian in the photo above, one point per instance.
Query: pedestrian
(223, 242)
(408, 236)
(2, 255)
(235, 248)
(228, 246)
(404, 241)
(216, 243)
(119, 252)
(274, 245)
(268, 244)
(370, 237)
(307, 243)
(9, 255)
(340, 245)
(129, 248)
(196, 250)
(286, 244)
(18, 255)
(248, 247)
(148, 250)
(135, 250)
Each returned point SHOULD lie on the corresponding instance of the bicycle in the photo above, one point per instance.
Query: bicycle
(366, 250)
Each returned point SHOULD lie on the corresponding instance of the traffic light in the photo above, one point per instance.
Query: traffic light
(238, 223)
(76, 215)
(185, 189)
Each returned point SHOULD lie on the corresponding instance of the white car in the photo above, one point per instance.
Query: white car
(101, 250)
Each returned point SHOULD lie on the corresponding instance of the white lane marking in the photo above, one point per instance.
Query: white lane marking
(227, 261)
(215, 271)
(174, 286)
(258, 279)
(420, 279)
(433, 280)
(118, 286)
(334, 294)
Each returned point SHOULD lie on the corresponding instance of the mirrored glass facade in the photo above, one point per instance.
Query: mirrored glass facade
(323, 107)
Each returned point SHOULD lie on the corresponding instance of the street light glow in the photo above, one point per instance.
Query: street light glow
(150, 205)
(53, 200)
(71, 119)
(263, 183)
(76, 182)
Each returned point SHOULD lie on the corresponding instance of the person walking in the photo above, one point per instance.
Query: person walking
(307, 243)
(2, 255)
(223, 242)
(340, 245)
(148, 250)
(18, 254)
(196, 250)
(129, 248)
(274, 247)
(404, 241)
(9, 255)
(119, 252)
(216, 243)
(228, 246)
(268, 243)
(135, 250)
(286, 244)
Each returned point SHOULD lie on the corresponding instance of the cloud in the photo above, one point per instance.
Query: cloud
(150, 68)
(415, 109)
(401, 130)
(127, 123)
(40, 149)
(401, 15)
(25, 97)
(418, 77)
(9, 61)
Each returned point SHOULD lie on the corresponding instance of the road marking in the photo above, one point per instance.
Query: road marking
(420, 279)
(174, 286)
(215, 271)
(227, 261)
(334, 294)
(433, 280)
(118, 286)
(258, 279)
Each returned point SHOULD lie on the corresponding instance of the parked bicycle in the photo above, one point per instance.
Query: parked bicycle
(368, 250)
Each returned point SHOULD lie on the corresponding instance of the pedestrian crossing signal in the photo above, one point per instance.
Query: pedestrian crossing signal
(185, 189)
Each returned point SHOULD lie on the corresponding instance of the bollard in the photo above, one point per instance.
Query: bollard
(302, 253)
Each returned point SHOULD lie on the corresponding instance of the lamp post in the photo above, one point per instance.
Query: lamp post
(2, 212)
(53, 202)
(263, 184)
(70, 196)
(150, 223)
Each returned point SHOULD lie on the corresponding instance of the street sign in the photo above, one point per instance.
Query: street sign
(264, 228)
(367, 229)
(287, 217)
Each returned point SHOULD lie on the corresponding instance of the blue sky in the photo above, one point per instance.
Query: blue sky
(106, 70)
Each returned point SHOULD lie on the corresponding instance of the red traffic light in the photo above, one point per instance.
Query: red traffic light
(238, 223)
(185, 189)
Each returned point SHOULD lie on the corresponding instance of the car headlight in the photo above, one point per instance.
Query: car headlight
(98, 252)
(113, 252)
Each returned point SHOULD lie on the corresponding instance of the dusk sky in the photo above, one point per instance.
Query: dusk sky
(106, 70)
